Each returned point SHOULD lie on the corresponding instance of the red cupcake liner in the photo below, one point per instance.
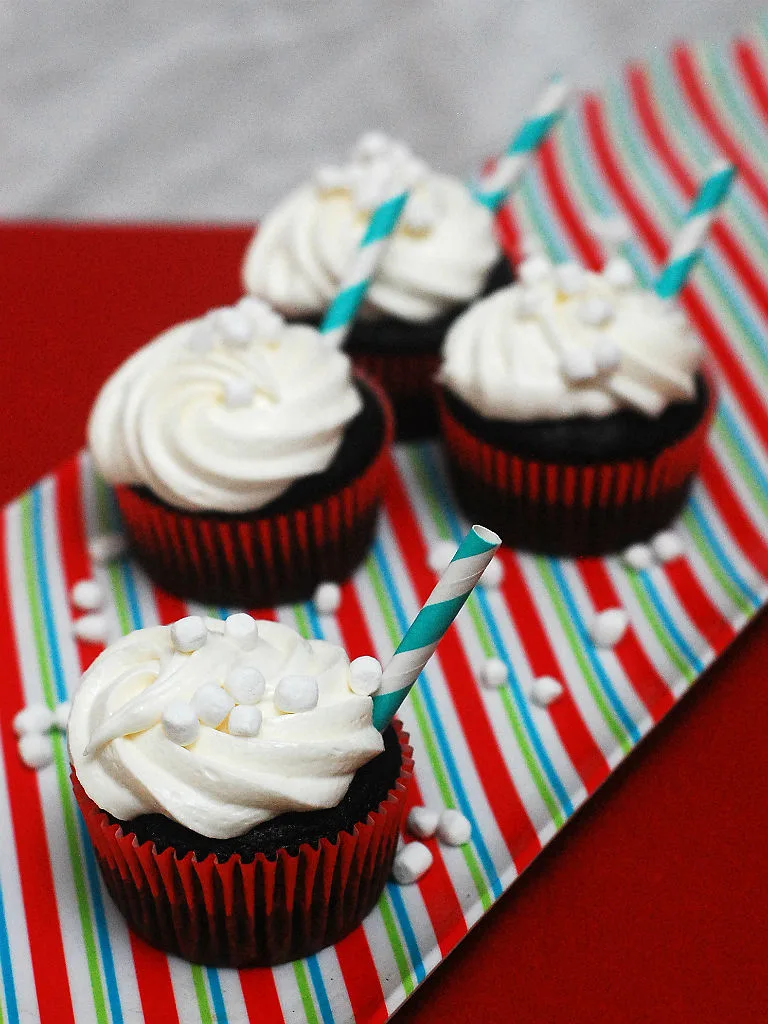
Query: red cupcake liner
(259, 560)
(408, 380)
(250, 913)
(562, 509)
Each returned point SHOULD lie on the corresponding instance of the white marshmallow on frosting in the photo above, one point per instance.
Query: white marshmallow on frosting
(242, 628)
(295, 693)
(422, 822)
(412, 861)
(189, 634)
(245, 683)
(180, 723)
(234, 326)
(211, 703)
(244, 720)
(239, 393)
(365, 675)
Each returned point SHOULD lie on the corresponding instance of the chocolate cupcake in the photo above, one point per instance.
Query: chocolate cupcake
(574, 409)
(243, 808)
(443, 256)
(247, 459)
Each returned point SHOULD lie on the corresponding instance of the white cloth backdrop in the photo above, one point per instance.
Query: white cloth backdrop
(162, 109)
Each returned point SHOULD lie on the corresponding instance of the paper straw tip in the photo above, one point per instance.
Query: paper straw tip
(488, 536)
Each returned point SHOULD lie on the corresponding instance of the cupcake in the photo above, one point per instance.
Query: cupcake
(443, 256)
(243, 808)
(247, 459)
(574, 409)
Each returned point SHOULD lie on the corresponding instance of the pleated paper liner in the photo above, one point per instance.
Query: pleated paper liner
(562, 509)
(251, 913)
(257, 560)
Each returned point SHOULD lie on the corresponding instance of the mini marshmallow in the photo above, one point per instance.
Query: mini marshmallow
(91, 628)
(329, 178)
(493, 573)
(619, 273)
(35, 750)
(607, 355)
(87, 595)
(534, 269)
(422, 822)
(638, 557)
(667, 545)
(107, 547)
(411, 862)
(440, 554)
(234, 327)
(245, 683)
(527, 304)
(545, 690)
(493, 673)
(263, 318)
(595, 312)
(180, 723)
(61, 715)
(609, 626)
(296, 693)
(244, 720)
(420, 214)
(365, 676)
(238, 393)
(211, 703)
(327, 598)
(33, 718)
(372, 144)
(570, 278)
(188, 634)
(242, 628)
(578, 364)
(453, 828)
(202, 336)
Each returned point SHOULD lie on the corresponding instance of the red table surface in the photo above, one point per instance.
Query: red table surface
(651, 905)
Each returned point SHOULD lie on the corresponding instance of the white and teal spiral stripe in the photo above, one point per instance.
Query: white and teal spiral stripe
(342, 311)
(689, 241)
(427, 629)
(493, 189)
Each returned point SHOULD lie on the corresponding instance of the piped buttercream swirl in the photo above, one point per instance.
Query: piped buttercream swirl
(221, 783)
(224, 413)
(567, 342)
(438, 259)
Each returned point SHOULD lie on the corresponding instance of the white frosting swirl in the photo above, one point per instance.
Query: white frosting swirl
(567, 342)
(221, 784)
(438, 258)
(224, 413)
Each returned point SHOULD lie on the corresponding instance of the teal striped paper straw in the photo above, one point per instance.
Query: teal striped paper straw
(341, 313)
(688, 245)
(427, 629)
(492, 189)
